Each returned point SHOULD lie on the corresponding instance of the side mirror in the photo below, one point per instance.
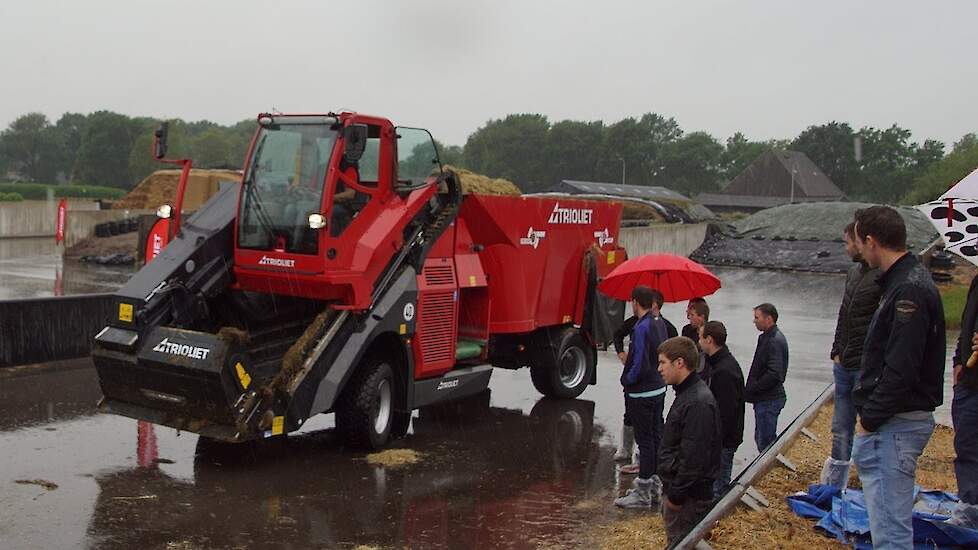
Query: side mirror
(159, 141)
(355, 136)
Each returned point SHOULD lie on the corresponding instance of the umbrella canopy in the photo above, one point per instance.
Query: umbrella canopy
(676, 277)
(955, 215)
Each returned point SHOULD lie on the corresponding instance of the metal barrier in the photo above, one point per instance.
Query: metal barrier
(754, 471)
(39, 330)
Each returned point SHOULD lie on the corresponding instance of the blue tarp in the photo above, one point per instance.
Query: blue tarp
(843, 516)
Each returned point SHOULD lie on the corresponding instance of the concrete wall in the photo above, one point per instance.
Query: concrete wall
(677, 238)
(37, 219)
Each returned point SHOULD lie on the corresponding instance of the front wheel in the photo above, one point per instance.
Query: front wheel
(564, 370)
(365, 413)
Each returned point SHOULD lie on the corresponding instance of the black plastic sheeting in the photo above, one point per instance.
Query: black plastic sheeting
(39, 330)
(777, 253)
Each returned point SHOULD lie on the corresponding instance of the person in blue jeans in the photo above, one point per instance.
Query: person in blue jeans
(859, 302)
(765, 381)
(964, 415)
(901, 380)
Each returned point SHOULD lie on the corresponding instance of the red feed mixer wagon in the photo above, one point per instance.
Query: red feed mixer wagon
(348, 273)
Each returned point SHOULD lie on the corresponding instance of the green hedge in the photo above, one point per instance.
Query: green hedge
(39, 191)
(11, 197)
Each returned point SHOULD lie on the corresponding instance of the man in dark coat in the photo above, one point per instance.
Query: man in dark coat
(964, 414)
(689, 456)
(859, 302)
(901, 380)
(765, 381)
(727, 385)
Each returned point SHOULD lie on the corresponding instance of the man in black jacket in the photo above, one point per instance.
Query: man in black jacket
(689, 457)
(727, 385)
(627, 446)
(765, 381)
(901, 380)
(859, 302)
(964, 414)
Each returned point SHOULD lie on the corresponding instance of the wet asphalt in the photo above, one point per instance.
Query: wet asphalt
(508, 469)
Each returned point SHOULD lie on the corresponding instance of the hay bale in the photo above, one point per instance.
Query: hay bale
(160, 187)
(483, 185)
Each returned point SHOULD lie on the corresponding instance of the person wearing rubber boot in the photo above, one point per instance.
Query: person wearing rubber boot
(860, 299)
(689, 458)
(644, 394)
(727, 386)
(626, 447)
(901, 379)
(964, 414)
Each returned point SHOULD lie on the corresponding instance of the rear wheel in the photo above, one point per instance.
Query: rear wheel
(365, 415)
(565, 369)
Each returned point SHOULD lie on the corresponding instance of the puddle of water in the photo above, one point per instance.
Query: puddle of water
(515, 472)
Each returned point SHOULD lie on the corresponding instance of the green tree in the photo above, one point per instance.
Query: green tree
(511, 148)
(967, 141)
(69, 130)
(888, 162)
(691, 164)
(738, 154)
(451, 154)
(103, 155)
(574, 151)
(30, 147)
(941, 175)
(211, 148)
(141, 162)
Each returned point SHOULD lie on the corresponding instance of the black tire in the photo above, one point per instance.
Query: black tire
(564, 368)
(400, 424)
(365, 413)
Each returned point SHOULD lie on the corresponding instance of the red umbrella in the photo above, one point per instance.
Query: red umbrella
(676, 277)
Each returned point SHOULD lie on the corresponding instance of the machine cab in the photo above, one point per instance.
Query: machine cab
(325, 201)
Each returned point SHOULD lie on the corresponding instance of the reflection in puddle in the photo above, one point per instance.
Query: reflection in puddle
(489, 477)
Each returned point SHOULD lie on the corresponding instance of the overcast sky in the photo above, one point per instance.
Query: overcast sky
(768, 68)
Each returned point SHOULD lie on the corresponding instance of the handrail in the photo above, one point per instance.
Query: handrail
(754, 471)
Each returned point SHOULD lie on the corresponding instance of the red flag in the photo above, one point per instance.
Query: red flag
(156, 238)
(59, 231)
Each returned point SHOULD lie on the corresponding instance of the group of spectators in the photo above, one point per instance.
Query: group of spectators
(685, 462)
(888, 365)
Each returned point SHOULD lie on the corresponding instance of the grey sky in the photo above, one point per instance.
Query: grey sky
(768, 68)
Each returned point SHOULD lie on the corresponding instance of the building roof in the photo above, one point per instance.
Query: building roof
(599, 188)
(721, 200)
(775, 173)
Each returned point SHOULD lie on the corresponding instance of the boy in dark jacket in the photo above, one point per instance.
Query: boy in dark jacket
(859, 302)
(644, 394)
(765, 381)
(689, 458)
(627, 446)
(727, 385)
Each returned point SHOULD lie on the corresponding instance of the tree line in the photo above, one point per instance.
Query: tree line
(871, 164)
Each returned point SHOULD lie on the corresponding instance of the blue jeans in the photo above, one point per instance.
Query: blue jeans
(844, 415)
(887, 464)
(726, 471)
(766, 422)
(964, 415)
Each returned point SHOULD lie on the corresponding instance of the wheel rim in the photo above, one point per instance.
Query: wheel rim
(573, 366)
(382, 412)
